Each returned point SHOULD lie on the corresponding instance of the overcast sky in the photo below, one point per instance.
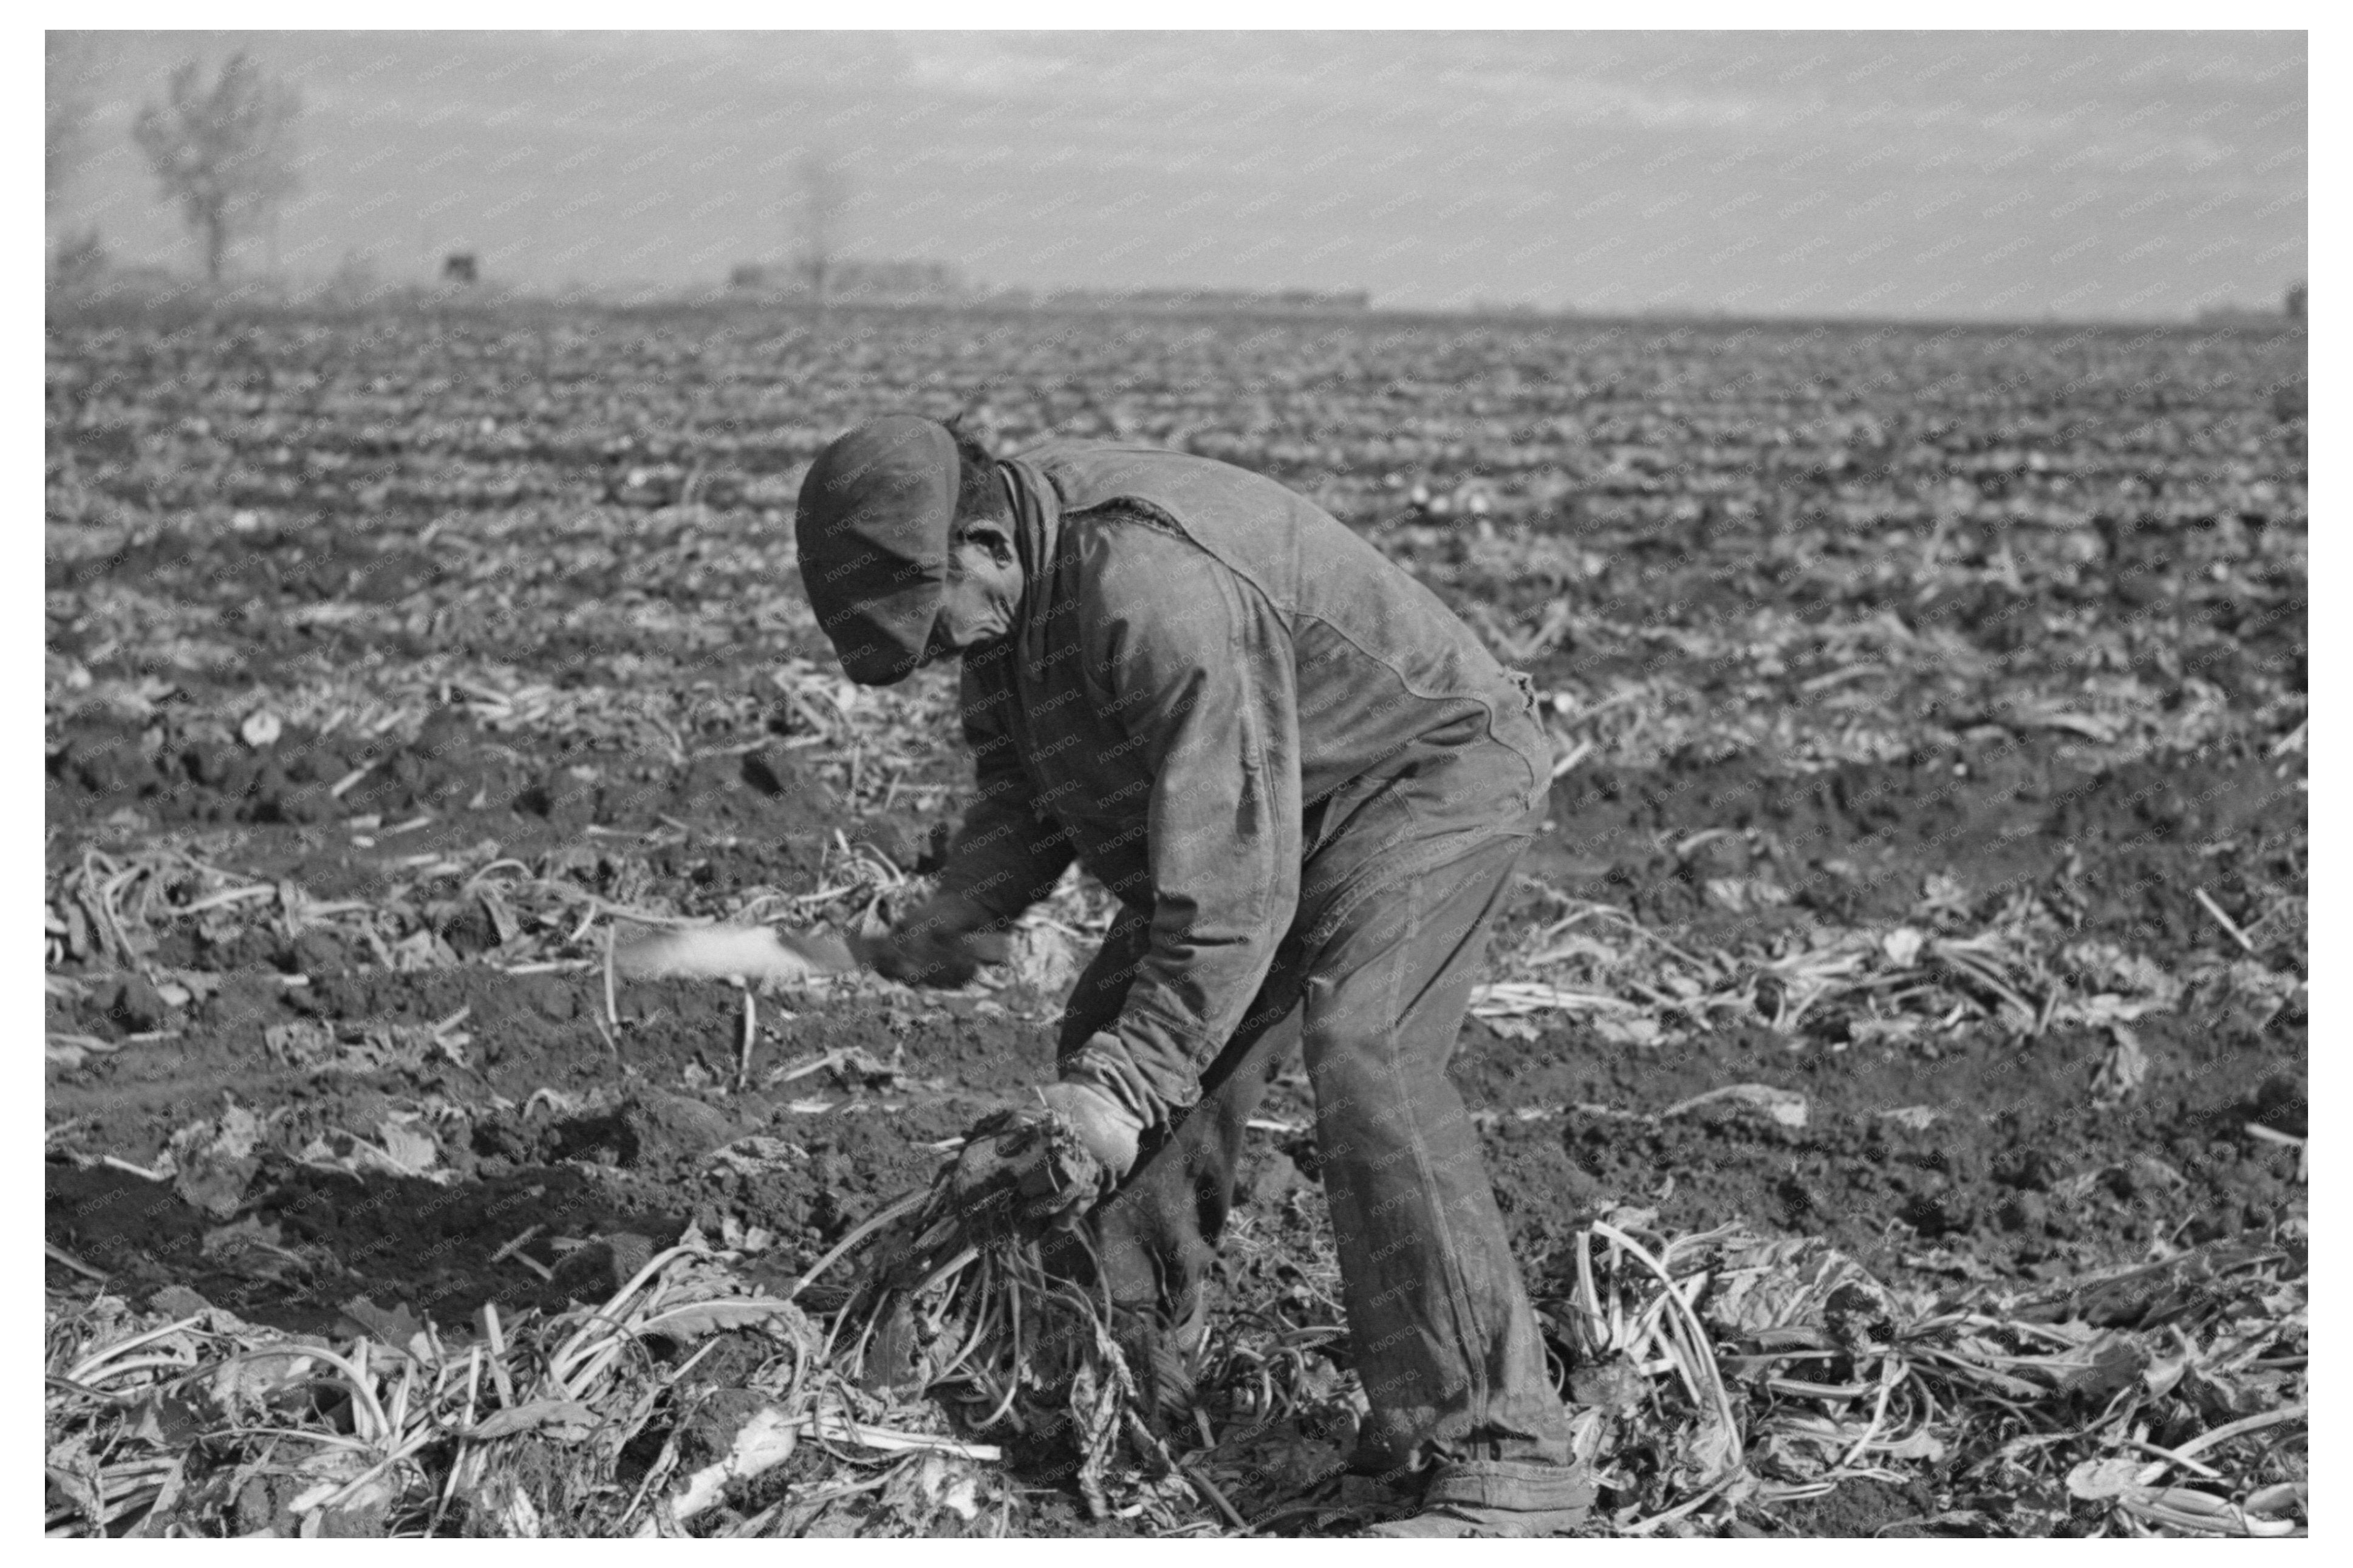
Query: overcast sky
(1944, 175)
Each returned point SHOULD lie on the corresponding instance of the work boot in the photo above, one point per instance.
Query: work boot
(1465, 1522)
(1448, 1513)
(1378, 1498)
(1163, 1347)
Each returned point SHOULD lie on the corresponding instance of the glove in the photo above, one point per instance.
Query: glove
(1107, 1129)
(939, 944)
(1027, 1171)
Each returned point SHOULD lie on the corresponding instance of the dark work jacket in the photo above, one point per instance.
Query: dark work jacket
(1234, 713)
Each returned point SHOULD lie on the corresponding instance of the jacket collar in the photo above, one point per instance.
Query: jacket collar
(1036, 529)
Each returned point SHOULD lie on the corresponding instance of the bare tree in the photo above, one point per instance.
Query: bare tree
(225, 154)
(820, 197)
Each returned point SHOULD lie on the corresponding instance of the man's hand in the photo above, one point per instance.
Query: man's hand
(1107, 1129)
(1024, 1171)
(939, 943)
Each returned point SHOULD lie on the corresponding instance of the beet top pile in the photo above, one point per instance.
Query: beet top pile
(1891, 1064)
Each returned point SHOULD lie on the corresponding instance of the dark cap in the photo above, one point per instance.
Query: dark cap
(872, 528)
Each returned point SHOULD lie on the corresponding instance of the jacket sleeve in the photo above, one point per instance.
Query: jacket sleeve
(1195, 669)
(1005, 856)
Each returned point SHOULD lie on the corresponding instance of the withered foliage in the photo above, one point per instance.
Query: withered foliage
(526, 582)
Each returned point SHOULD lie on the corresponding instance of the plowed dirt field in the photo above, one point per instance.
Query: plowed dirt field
(1931, 708)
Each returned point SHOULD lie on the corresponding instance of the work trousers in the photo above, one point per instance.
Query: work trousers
(1371, 982)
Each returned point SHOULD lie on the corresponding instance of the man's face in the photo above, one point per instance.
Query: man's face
(983, 588)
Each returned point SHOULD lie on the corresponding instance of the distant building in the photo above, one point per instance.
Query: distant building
(881, 280)
(2290, 315)
(853, 281)
(1245, 301)
(864, 282)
